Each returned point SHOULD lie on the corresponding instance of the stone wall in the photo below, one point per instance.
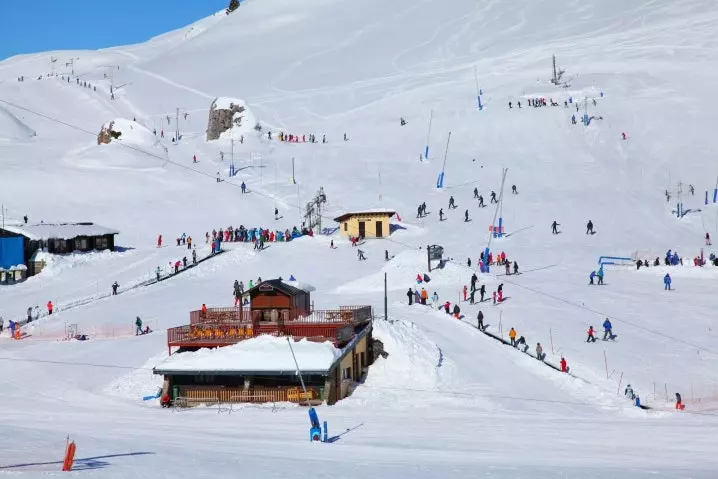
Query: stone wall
(221, 120)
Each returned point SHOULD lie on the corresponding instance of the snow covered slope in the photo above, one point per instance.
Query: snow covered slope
(448, 401)
(13, 129)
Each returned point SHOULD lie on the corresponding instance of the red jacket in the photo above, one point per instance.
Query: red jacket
(563, 365)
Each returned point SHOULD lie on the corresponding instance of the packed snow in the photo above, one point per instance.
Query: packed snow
(447, 400)
(263, 353)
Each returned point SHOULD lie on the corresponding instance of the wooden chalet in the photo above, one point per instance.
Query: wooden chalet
(276, 309)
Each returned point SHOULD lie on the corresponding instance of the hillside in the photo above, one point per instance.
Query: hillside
(448, 401)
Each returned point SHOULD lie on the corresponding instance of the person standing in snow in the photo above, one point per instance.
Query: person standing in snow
(493, 197)
(480, 321)
(516, 268)
(410, 295)
(591, 338)
(481, 202)
(434, 300)
(138, 326)
(482, 292)
(159, 241)
(590, 277)
(600, 275)
(564, 365)
(457, 311)
(708, 239)
(49, 307)
(466, 216)
(276, 213)
(441, 214)
(667, 282)
(386, 255)
(244, 188)
(476, 193)
(679, 402)
(512, 337)
(194, 256)
(452, 205)
(539, 352)
(628, 392)
(360, 255)
(554, 227)
(607, 330)
(589, 228)
(514, 191)
(115, 285)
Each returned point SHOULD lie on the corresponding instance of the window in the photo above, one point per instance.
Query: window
(363, 360)
(81, 244)
(346, 226)
(347, 373)
(101, 242)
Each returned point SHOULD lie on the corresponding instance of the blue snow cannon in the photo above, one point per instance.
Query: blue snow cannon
(315, 432)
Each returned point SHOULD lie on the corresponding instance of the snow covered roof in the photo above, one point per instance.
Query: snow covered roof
(43, 231)
(291, 288)
(371, 211)
(263, 354)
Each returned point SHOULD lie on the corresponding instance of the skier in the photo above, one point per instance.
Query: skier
(514, 190)
(244, 187)
(158, 272)
(49, 307)
(600, 275)
(591, 276)
(452, 205)
(276, 213)
(194, 159)
(402, 121)
(539, 352)
(516, 268)
(24, 218)
(115, 285)
(324, 138)
(434, 299)
(441, 214)
(447, 306)
(554, 227)
(466, 216)
(493, 197)
(474, 279)
(159, 241)
(480, 319)
(345, 137)
(482, 292)
(573, 119)
(386, 255)
(465, 292)
(360, 255)
(519, 103)
(494, 297)
(194, 256)
(468, 262)
(424, 296)
(564, 365)
(331, 244)
(512, 337)
(628, 392)
(623, 135)
(219, 178)
(472, 296)
(667, 282)
(457, 311)
(589, 227)
(510, 105)
(410, 295)
(679, 402)
(691, 190)
(481, 201)
(591, 338)
(507, 266)
(138, 326)
(29, 314)
(522, 342)
(476, 194)
(237, 293)
(607, 333)
(708, 239)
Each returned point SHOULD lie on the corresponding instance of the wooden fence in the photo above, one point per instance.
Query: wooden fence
(195, 395)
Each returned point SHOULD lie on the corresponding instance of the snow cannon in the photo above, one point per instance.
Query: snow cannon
(315, 432)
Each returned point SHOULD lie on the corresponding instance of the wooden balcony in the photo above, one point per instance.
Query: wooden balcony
(212, 395)
(225, 326)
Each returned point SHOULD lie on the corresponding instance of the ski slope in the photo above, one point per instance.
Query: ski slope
(448, 401)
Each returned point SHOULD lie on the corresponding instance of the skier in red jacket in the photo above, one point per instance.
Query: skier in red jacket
(159, 241)
(564, 365)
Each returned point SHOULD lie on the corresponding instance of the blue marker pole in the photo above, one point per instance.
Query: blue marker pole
(486, 259)
(428, 136)
(715, 195)
(500, 232)
(326, 432)
(478, 90)
(706, 196)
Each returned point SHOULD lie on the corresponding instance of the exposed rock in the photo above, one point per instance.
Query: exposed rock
(225, 114)
(107, 134)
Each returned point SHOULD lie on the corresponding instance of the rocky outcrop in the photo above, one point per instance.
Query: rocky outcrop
(224, 115)
(107, 134)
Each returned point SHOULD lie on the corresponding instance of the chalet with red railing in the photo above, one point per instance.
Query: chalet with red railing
(239, 370)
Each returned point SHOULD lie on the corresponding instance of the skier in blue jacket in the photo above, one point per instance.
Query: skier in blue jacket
(591, 276)
(607, 333)
(667, 282)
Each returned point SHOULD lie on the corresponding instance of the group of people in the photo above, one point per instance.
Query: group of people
(292, 138)
(607, 332)
(256, 235)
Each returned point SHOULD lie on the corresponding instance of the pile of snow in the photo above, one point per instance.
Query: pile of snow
(401, 273)
(414, 362)
(13, 129)
(139, 383)
(263, 353)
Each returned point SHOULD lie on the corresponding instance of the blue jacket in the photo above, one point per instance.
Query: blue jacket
(607, 325)
(667, 279)
(592, 275)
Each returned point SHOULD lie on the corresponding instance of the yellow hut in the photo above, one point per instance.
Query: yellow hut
(365, 224)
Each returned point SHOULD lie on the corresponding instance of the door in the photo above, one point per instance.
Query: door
(362, 229)
(379, 232)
